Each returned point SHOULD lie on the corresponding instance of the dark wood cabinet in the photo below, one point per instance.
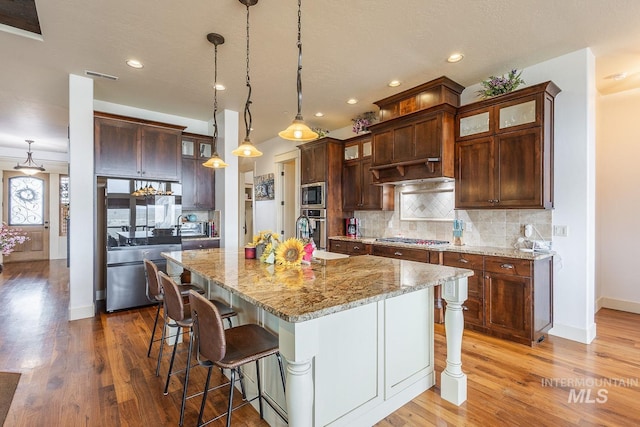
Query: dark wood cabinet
(198, 182)
(130, 148)
(509, 298)
(410, 254)
(358, 189)
(504, 150)
(313, 162)
(349, 248)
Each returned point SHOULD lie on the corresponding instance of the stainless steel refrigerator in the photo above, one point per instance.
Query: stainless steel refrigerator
(137, 227)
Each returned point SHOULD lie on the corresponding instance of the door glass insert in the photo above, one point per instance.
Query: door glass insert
(26, 200)
(518, 114)
(366, 149)
(351, 152)
(477, 123)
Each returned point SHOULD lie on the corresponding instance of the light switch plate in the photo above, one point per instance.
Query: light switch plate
(560, 230)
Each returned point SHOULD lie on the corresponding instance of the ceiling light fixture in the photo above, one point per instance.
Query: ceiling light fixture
(247, 149)
(617, 76)
(29, 167)
(134, 63)
(352, 101)
(394, 83)
(215, 161)
(319, 114)
(455, 57)
(298, 130)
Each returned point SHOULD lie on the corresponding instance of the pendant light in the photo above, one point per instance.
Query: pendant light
(298, 130)
(29, 167)
(215, 161)
(247, 149)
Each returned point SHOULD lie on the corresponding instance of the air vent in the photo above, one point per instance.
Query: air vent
(102, 75)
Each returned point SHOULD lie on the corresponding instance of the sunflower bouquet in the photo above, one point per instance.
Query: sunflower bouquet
(266, 243)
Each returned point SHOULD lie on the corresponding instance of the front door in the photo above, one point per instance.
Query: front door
(26, 206)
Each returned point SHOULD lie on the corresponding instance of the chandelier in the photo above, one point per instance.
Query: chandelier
(29, 167)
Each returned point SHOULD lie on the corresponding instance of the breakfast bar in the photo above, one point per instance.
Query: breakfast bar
(356, 333)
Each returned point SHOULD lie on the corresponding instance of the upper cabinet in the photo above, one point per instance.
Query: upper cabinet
(130, 148)
(358, 190)
(197, 180)
(415, 137)
(504, 150)
(313, 162)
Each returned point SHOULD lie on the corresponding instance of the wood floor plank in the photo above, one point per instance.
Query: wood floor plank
(95, 372)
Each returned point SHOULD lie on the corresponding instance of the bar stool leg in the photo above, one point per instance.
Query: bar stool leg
(284, 388)
(173, 356)
(259, 388)
(164, 336)
(153, 333)
(186, 377)
(204, 395)
(233, 380)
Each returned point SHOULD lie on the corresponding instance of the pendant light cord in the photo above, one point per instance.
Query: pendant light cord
(215, 100)
(247, 111)
(299, 115)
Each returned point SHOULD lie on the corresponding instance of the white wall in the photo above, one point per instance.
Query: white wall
(618, 200)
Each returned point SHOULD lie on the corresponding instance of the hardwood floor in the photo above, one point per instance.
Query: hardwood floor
(94, 372)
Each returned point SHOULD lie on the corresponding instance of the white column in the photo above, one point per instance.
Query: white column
(453, 381)
(227, 180)
(299, 345)
(81, 196)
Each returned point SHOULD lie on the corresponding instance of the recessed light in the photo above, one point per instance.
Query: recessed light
(394, 83)
(455, 57)
(319, 114)
(352, 101)
(134, 63)
(219, 86)
(617, 76)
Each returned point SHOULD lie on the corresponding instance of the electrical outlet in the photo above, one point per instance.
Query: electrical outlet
(468, 226)
(560, 230)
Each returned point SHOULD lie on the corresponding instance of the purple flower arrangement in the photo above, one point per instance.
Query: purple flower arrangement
(499, 85)
(363, 121)
(9, 238)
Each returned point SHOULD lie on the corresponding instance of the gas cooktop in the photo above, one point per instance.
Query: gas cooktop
(406, 240)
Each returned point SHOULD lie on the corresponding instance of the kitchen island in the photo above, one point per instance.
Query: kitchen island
(356, 333)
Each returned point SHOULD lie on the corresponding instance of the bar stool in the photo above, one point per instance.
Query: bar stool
(229, 349)
(156, 296)
(180, 313)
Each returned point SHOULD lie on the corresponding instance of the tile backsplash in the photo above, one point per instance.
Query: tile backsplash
(425, 211)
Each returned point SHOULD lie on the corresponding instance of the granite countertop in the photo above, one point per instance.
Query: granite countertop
(480, 250)
(298, 294)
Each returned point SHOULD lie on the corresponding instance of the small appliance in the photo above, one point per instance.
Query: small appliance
(353, 227)
(313, 195)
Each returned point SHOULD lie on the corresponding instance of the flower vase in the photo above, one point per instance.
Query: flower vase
(259, 250)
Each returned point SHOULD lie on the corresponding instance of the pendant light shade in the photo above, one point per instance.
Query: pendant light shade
(215, 161)
(247, 149)
(29, 167)
(298, 130)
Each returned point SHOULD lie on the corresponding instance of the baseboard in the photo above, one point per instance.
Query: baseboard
(618, 304)
(82, 312)
(584, 336)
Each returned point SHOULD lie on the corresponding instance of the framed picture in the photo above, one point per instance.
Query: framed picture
(263, 187)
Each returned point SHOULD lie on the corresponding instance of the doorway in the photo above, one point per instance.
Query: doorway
(248, 207)
(288, 190)
(26, 206)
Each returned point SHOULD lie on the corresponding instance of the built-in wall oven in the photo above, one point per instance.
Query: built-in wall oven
(318, 222)
(313, 195)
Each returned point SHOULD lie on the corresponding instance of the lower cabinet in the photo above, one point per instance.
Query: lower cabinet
(349, 248)
(200, 244)
(508, 298)
(410, 254)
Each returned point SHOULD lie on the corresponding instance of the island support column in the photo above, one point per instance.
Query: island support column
(453, 381)
(299, 345)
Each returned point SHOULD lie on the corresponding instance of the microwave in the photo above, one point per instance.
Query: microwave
(313, 195)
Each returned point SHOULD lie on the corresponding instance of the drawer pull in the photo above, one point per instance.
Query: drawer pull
(356, 248)
(464, 261)
(465, 308)
(397, 253)
(508, 266)
(338, 245)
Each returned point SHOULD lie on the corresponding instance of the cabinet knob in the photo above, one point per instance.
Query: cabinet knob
(465, 308)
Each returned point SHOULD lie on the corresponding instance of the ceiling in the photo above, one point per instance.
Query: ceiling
(350, 49)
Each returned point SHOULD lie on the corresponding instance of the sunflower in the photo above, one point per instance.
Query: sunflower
(290, 252)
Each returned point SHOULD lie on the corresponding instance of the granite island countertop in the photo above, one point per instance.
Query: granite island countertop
(480, 250)
(298, 294)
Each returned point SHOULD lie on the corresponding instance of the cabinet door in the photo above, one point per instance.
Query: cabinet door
(204, 186)
(403, 144)
(371, 194)
(428, 137)
(351, 188)
(520, 168)
(475, 173)
(188, 183)
(313, 163)
(382, 148)
(161, 153)
(508, 304)
(116, 148)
